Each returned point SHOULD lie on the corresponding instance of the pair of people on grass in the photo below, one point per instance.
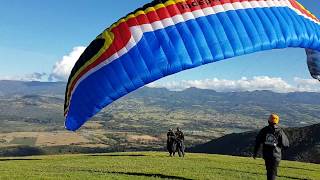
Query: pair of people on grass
(175, 142)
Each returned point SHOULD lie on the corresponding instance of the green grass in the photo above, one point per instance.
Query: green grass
(148, 165)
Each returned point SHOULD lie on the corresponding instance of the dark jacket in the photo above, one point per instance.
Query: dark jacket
(179, 135)
(171, 136)
(273, 139)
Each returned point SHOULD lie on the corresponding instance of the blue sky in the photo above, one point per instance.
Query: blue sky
(35, 35)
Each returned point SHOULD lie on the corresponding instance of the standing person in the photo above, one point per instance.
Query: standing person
(180, 142)
(171, 142)
(273, 139)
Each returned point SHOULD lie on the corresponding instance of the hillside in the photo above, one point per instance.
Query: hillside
(304, 144)
(222, 109)
(20, 88)
(31, 117)
(151, 165)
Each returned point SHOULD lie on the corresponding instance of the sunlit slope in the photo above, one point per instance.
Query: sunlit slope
(148, 165)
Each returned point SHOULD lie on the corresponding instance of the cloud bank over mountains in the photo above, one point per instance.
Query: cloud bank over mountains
(62, 69)
(275, 84)
(36, 76)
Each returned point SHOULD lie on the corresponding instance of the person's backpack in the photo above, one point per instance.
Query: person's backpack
(272, 139)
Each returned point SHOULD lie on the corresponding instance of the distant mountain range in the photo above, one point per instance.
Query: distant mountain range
(295, 109)
(141, 119)
(10, 88)
(196, 108)
(304, 144)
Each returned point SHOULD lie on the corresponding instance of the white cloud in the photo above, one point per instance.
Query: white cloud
(28, 77)
(309, 85)
(244, 84)
(62, 68)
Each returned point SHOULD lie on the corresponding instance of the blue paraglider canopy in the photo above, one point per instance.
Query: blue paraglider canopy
(168, 36)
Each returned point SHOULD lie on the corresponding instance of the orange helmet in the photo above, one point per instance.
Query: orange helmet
(274, 119)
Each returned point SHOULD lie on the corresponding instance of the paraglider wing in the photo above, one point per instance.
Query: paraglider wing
(314, 63)
(169, 36)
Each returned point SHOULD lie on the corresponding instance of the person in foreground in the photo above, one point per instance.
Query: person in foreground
(273, 139)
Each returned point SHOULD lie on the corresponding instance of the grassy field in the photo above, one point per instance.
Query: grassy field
(148, 165)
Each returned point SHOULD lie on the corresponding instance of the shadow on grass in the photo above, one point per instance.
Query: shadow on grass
(20, 160)
(282, 167)
(254, 173)
(117, 155)
(162, 176)
(289, 167)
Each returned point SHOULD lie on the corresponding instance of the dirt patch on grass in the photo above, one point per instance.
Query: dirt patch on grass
(93, 125)
(61, 138)
(45, 138)
(142, 138)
